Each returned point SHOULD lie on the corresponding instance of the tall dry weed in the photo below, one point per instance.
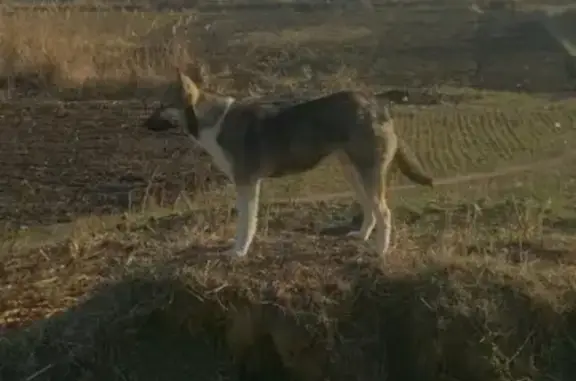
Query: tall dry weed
(64, 49)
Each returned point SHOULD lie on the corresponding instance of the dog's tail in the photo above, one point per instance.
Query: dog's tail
(409, 165)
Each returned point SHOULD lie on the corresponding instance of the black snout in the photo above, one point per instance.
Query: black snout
(396, 96)
(157, 123)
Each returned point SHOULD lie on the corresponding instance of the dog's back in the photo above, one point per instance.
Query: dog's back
(285, 140)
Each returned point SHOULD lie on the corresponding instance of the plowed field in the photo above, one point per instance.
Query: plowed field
(63, 160)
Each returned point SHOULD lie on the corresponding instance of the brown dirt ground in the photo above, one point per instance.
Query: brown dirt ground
(158, 303)
(153, 299)
(63, 160)
(305, 306)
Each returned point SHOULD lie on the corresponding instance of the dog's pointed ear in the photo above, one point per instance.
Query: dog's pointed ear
(189, 88)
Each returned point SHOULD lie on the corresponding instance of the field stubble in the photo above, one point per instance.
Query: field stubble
(479, 285)
(472, 292)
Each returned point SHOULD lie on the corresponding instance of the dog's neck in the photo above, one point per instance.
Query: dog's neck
(207, 114)
(209, 124)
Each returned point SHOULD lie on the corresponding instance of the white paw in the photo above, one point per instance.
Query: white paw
(234, 253)
(357, 234)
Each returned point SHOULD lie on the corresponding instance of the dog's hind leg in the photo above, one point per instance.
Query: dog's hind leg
(373, 166)
(247, 200)
(374, 181)
(368, 218)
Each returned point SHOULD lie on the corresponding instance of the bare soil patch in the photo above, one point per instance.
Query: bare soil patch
(62, 160)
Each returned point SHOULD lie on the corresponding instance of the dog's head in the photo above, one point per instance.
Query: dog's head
(186, 107)
(180, 95)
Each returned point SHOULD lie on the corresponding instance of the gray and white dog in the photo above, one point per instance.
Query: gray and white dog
(248, 143)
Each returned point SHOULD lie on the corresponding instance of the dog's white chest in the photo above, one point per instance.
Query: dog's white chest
(208, 140)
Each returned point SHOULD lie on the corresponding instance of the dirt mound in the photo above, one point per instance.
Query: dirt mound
(308, 318)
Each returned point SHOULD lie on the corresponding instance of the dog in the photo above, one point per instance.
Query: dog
(249, 142)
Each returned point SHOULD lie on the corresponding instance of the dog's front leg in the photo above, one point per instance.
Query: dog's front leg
(247, 200)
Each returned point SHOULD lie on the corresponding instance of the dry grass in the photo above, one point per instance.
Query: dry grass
(60, 50)
(109, 52)
(455, 303)
(480, 284)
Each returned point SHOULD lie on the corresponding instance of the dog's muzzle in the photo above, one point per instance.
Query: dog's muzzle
(157, 123)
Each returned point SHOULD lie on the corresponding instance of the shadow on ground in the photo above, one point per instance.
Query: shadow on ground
(315, 318)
